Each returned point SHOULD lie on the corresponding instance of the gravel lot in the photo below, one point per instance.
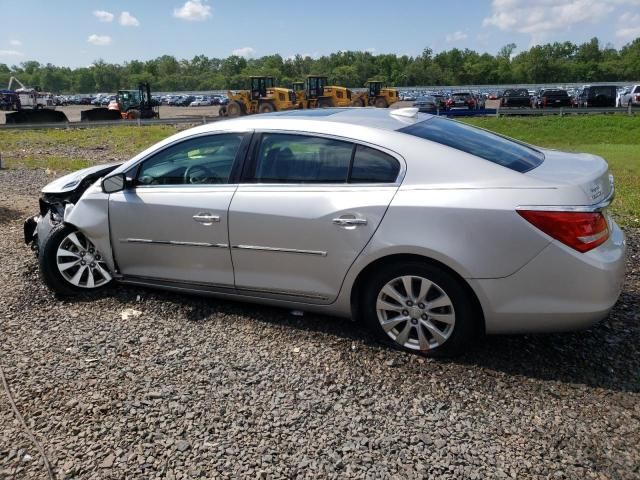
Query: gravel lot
(189, 387)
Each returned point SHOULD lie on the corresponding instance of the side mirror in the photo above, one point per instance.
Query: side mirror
(114, 183)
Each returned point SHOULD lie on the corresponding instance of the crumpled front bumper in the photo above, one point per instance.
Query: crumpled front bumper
(30, 228)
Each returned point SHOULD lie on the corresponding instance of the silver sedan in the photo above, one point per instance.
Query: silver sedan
(431, 231)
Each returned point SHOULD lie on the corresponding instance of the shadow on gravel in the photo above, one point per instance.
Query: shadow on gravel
(605, 356)
(8, 214)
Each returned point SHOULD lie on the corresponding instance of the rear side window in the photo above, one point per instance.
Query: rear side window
(285, 158)
(373, 166)
(478, 142)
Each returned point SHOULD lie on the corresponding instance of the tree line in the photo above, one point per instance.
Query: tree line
(559, 62)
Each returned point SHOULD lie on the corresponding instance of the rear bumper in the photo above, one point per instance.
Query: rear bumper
(559, 290)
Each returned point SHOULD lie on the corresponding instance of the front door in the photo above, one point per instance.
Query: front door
(308, 208)
(171, 224)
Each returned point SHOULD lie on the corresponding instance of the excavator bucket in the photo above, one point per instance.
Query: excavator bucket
(99, 114)
(36, 116)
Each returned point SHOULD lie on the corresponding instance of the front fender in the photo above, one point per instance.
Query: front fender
(90, 215)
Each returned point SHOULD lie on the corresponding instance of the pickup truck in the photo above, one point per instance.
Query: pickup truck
(630, 96)
(552, 98)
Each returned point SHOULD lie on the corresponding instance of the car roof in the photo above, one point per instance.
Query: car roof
(371, 117)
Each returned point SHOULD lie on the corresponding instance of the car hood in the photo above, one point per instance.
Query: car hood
(70, 182)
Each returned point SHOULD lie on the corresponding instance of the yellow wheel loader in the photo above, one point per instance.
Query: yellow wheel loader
(315, 93)
(263, 97)
(375, 96)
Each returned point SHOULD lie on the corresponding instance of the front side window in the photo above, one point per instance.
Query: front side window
(286, 158)
(494, 148)
(202, 160)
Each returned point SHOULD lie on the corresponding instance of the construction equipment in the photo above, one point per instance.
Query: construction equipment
(317, 94)
(128, 105)
(30, 105)
(263, 97)
(375, 96)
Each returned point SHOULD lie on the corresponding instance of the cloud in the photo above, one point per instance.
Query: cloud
(628, 27)
(193, 10)
(15, 43)
(245, 52)
(128, 20)
(103, 16)
(11, 53)
(456, 37)
(370, 50)
(539, 18)
(99, 40)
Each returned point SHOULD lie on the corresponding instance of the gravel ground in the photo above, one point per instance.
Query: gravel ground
(189, 387)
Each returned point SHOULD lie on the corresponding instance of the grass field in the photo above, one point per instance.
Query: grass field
(614, 137)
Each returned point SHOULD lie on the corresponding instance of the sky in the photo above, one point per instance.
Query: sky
(75, 33)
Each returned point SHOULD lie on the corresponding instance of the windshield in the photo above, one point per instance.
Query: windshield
(481, 143)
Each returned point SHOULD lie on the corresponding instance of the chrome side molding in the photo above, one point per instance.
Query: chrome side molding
(174, 242)
(280, 250)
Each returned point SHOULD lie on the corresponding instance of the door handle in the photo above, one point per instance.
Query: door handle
(349, 222)
(206, 218)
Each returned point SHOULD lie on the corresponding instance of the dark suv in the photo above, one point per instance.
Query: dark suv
(515, 97)
(598, 96)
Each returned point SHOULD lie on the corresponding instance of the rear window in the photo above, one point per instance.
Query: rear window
(516, 93)
(555, 93)
(606, 91)
(478, 142)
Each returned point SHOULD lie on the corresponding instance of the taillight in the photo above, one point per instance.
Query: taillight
(582, 231)
(544, 101)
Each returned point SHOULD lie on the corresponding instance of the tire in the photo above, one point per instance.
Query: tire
(325, 103)
(266, 107)
(79, 248)
(234, 109)
(458, 323)
(133, 115)
(381, 103)
(357, 103)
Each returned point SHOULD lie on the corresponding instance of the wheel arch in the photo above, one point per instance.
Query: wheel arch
(395, 258)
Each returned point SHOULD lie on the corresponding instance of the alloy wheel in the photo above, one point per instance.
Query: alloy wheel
(415, 312)
(80, 263)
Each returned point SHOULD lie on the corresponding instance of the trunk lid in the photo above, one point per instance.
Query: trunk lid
(586, 174)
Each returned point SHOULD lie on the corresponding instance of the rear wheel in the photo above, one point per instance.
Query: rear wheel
(325, 103)
(421, 308)
(381, 102)
(357, 103)
(266, 108)
(234, 109)
(70, 263)
(133, 115)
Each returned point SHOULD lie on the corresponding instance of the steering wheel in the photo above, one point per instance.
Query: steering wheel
(196, 174)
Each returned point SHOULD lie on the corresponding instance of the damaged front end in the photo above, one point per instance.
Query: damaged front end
(58, 196)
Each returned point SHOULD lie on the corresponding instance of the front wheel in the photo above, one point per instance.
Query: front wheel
(421, 308)
(70, 263)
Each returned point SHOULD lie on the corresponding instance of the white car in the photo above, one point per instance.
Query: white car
(629, 96)
(201, 102)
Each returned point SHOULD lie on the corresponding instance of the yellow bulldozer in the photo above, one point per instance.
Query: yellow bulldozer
(263, 97)
(375, 96)
(315, 93)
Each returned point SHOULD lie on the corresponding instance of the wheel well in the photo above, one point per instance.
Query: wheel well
(361, 280)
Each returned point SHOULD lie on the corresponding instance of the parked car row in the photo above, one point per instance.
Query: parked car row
(192, 100)
(583, 97)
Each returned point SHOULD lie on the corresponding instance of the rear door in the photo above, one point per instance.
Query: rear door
(307, 207)
(172, 223)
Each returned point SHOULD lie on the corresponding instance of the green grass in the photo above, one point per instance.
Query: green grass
(616, 138)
